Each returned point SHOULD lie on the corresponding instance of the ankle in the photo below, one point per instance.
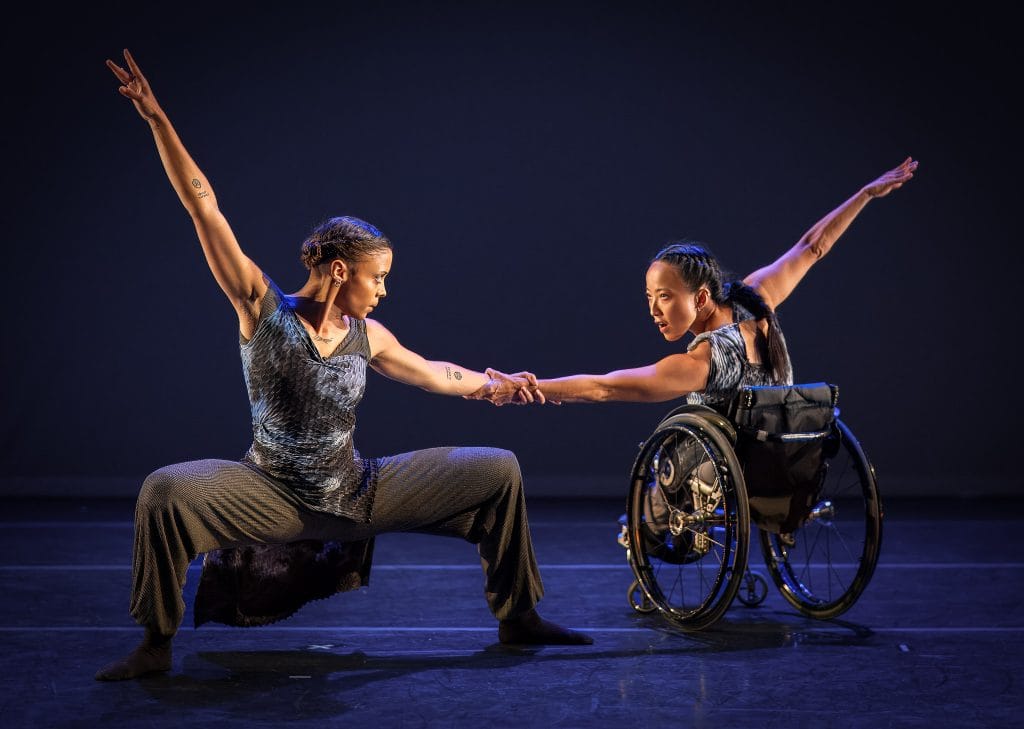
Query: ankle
(530, 616)
(156, 640)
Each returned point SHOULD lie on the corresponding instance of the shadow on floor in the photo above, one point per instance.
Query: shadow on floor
(317, 681)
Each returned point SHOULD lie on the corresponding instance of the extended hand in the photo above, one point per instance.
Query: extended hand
(135, 87)
(501, 389)
(892, 179)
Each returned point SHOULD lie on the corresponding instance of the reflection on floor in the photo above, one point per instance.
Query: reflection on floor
(936, 640)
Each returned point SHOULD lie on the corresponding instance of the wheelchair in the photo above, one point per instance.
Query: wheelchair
(777, 458)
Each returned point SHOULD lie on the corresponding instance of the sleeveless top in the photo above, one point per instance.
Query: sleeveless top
(303, 410)
(730, 368)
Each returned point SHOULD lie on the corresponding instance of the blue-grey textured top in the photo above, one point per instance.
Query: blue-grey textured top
(730, 368)
(304, 410)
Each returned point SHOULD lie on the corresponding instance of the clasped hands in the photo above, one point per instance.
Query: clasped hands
(500, 389)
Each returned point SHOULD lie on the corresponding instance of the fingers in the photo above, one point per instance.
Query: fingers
(531, 387)
(136, 71)
(528, 376)
(133, 83)
(122, 75)
(893, 179)
(521, 388)
(129, 94)
(526, 395)
(906, 169)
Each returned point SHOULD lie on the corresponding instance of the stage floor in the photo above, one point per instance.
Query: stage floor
(936, 640)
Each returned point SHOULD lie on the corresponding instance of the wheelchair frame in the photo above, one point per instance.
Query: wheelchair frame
(687, 535)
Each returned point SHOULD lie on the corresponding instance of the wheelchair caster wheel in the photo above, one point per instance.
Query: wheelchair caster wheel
(638, 600)
(753, 590)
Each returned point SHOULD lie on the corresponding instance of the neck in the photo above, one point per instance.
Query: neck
(315, 302)
(717, 315)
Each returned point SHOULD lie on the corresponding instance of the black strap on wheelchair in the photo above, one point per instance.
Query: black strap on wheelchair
(763, 435)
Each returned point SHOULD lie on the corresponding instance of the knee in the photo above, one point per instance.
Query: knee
(160, 490)
(505, 467)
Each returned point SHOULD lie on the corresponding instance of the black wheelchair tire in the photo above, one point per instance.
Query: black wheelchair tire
(735, 523)
(791, 570)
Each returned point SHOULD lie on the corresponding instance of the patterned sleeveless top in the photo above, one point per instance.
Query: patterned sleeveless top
(730, 368)
(303, 410)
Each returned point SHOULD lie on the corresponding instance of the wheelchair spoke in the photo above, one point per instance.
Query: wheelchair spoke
(683, 521)
(823, 567)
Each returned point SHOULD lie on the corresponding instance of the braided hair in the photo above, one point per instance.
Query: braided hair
(698, 267)
(344, 237)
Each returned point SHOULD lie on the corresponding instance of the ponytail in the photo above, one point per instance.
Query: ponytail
(778, 358)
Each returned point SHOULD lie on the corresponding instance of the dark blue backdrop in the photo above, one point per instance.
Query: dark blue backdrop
(526, 161)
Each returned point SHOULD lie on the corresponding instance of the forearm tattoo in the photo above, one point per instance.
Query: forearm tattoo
(197, 185)
(452, 374)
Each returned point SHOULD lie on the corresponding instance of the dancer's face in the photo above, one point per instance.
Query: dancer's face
(364, 285)
(673, 304)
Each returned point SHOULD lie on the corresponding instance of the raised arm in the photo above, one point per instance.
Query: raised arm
(391, 359)
(776, 281)
(239, 278)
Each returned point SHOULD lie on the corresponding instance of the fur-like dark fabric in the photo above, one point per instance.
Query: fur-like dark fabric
(264, 583)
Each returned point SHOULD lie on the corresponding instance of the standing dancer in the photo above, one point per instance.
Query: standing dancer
(304, 357)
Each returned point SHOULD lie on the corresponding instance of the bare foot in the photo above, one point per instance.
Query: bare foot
(144, 660)
(531, 629)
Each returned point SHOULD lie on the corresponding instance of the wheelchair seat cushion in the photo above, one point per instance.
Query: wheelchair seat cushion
(782, 434)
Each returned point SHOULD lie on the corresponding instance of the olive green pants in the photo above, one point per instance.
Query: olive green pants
(191, 508)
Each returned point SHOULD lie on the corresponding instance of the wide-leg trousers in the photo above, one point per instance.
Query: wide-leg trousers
(191, 508)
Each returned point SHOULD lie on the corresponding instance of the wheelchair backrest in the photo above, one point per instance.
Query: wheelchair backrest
(781, 433)
(785, 412)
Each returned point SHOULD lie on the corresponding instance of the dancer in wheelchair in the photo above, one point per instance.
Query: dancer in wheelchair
(694, 492)
(738, 341)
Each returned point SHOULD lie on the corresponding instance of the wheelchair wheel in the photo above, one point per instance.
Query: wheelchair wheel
(753, 589)
(824, 566)
(688, 521)
(638, 600)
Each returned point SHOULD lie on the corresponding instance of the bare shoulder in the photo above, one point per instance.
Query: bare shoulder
(682, 373)
(756, 282)
(700, 352)
(375, 329)
(695, 359)
(378, 336)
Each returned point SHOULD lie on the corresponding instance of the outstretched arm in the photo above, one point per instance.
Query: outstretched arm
(391, 359)
(237, 276)
(667, 379)
(776, 281)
